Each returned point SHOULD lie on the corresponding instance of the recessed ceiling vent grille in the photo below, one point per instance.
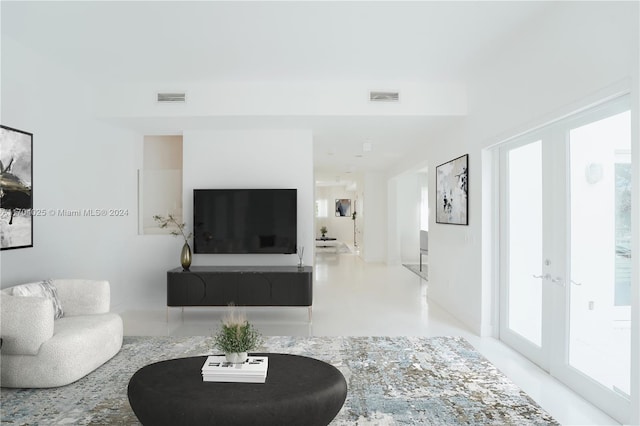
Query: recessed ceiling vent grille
(384, 96)
(171, 97)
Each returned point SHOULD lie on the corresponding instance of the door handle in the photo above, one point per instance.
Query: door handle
(547, 276)
(558, 280)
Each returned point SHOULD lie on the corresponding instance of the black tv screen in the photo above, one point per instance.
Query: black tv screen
(245, 220)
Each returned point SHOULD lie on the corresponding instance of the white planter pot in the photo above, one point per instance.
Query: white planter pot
(236, 357)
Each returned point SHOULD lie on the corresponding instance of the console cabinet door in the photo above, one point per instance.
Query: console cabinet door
(221, 288)
(254, 289)
(291, 289)
(176, 290)
(201, 289)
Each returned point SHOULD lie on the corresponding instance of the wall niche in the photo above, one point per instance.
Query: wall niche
(160, 182)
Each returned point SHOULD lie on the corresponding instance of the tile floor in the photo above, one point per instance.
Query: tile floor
(355, 298)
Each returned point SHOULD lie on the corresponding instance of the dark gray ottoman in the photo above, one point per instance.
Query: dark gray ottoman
(298, 391)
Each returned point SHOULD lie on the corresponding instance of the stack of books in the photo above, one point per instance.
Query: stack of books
(253, 370)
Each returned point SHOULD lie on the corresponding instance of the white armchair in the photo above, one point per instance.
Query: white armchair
(40, 352)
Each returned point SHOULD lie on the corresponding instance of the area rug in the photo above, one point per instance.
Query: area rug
(391, 381)
(416, 270)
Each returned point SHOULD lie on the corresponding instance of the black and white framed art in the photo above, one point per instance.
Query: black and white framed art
(16, 188)
(452, 191)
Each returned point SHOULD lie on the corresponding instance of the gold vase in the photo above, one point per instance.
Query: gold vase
(185, 256)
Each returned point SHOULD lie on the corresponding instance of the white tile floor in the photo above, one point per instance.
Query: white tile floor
(355, 298)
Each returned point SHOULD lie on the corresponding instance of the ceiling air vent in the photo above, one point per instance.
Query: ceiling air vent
(384, 96)
(171, 97)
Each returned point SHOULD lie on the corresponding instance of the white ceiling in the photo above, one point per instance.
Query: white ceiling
(279, 41)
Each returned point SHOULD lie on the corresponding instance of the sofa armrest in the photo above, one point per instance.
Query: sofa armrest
(26, 323)
(83, 297)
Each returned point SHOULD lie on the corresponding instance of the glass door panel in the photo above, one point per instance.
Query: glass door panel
(525, 241)
(600, 251)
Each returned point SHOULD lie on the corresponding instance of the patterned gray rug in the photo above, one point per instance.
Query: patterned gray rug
(391, 381)
(416, 270)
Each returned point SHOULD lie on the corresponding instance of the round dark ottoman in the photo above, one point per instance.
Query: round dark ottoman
(298, 391)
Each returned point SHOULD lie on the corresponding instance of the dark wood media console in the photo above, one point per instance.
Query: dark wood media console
(240, 285)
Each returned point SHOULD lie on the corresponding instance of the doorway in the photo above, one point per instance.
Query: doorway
(565, 252)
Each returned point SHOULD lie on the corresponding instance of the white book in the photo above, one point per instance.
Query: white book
(233, 375)
(217, 369)
(234, 379)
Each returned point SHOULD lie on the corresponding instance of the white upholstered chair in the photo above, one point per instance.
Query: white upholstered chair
(39, 351)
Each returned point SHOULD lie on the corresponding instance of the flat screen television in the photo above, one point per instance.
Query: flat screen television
(245, 220)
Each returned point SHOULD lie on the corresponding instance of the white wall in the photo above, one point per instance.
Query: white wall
(252, 159)
(241, 98)
(374, 218)
(423, 184)
(78, 163)
(393, 213)
(404, 219)
(563, 61)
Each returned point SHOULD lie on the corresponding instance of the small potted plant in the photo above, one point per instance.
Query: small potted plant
(323, 231)
(236, 337)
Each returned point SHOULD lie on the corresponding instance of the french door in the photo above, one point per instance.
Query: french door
(565, 252)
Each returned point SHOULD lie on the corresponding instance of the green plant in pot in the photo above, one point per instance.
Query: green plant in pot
(164, 222)
(323, 231)
(236, 337)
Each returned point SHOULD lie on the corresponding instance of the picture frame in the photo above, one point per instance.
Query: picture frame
(16, 188)
(343, 207)
(452, 191)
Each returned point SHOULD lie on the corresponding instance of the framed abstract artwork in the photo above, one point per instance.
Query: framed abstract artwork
(452, 191)
(16, 188)
(343, 207)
